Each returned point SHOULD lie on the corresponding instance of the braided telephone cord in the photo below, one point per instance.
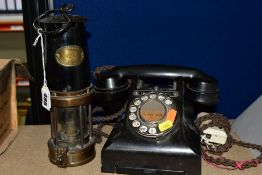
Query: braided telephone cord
(99, 119)
(221, 122)
(217, 120)
(108, 118)
(100, 69)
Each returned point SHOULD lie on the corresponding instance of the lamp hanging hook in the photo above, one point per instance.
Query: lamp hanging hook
(64, 10)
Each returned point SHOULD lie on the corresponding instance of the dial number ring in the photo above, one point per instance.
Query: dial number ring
(149, 109)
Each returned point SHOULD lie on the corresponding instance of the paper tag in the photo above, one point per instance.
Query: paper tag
(165, 125)
(46, 101)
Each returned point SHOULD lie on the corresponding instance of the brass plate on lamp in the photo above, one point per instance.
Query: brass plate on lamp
(69, 56)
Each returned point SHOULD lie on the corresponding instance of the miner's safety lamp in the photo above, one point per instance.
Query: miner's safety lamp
(68, 78)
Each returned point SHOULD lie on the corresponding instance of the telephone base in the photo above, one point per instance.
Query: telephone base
(125, 154)
(143, 171)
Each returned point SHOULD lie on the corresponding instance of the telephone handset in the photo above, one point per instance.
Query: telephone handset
(161, 101)
(112, 86)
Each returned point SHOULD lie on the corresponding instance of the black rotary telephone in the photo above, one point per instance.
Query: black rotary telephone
(156, 134)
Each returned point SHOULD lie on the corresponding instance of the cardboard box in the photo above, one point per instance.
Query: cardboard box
(9, 69)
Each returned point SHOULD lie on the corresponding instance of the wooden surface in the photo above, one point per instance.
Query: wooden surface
(28, 155)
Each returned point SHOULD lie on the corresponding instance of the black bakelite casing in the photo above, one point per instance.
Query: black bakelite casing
(202, 95)
(111, 93)
(176, 153)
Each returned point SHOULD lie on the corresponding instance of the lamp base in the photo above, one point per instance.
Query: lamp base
(64, 157)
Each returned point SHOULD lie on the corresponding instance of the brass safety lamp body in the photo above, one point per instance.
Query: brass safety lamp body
(68, 78)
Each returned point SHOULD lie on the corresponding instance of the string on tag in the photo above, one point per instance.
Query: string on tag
(46, 100)
(42, 51)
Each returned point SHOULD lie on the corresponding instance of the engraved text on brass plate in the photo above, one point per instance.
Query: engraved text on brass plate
(70, 55)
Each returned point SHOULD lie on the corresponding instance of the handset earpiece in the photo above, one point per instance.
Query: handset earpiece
(204, 94)
(111, 93)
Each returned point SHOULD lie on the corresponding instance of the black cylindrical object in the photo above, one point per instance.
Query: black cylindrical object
(67, 72)
(67, 64)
